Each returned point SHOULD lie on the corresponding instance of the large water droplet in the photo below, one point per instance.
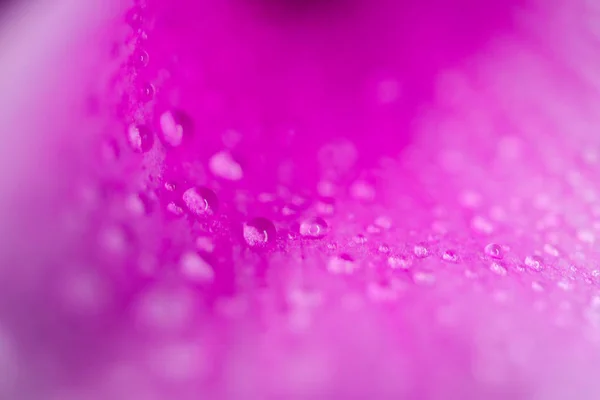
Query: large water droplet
(224, 166)
(173, 127)
(313, 228)
(201, 201)
(259, 232)
(140, 138)
(494, 251)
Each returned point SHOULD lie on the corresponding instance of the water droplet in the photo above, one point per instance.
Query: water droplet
(482, 225)
(384, 248)
(373, 230)
(163, 309)
(399, 262)
(287, 211)
(450, 256)
(140, 59)
(360, 239)
(383, 222)
(338, 157)
(420, 251)
(200, 201)
(494, 251)
(224, 166)
(551, 250)
(470, 199)
(536, 287)
(115, 240)
(534, 262)
(564, 285)
(425, 278)
(325, 207)
(195, 268)
(140, 138)
(362, 190)
(586, 236)
(498, 269)
(174, 125)
(175, 209)
(138, 204)
(147, 92)
(313, 228)
(259, 232)
(342, 264)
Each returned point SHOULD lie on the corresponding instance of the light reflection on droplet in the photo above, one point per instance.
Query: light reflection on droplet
(313, 228)
(494, 251)
(200, 201)
(259, 232)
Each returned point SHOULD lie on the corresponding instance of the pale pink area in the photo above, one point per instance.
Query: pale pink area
(300, 200)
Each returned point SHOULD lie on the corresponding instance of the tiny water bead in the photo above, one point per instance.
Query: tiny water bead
(360, 239)
(200, 201)
(551, 250)
(147, 92)
(224, 166)
(259, 232)
(534, 262)
(314, 228)
(420, 251)
(175, 209)
(140, 138)
(384, 248)
(498, 269)
(494, 251)
(450, 256)
(399, 262)
(140, 59)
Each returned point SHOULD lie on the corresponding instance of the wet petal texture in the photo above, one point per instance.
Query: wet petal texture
(271, 199)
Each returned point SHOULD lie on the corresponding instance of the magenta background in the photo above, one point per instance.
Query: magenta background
(491, 139)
